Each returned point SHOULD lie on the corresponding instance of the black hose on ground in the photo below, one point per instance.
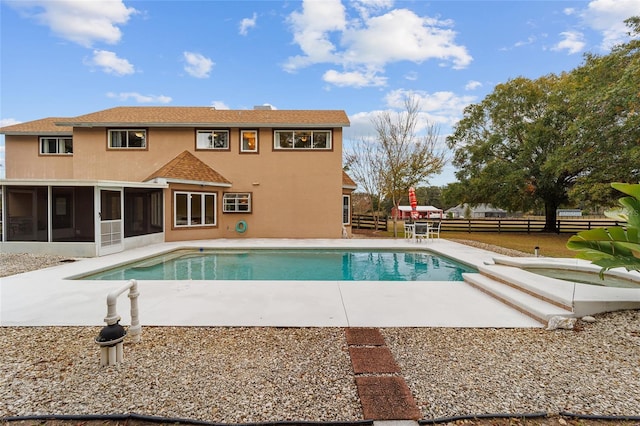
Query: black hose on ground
(157, 419)
(483, 416)
(599, 417)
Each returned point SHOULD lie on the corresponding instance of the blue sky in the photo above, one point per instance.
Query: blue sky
(72, 57)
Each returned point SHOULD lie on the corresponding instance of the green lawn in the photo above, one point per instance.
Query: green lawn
(551, 245)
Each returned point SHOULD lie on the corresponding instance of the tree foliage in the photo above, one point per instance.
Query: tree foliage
(604, 99)
(508, 147)
(615, 246)
(542, 143)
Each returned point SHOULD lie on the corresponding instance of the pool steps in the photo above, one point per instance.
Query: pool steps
(523, 291)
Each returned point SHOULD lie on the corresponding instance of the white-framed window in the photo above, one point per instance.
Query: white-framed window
(236, 202)
(193, 209)
(55, 145)
(212, 139)
(128, 138)
(346, 209)
(248, 141)
(302, 139)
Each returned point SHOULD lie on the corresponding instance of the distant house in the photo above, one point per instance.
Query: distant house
(475, 212)
(424, 212)
(569, 213)
(127, 177)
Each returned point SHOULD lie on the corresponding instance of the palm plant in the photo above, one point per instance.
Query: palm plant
(615, 246)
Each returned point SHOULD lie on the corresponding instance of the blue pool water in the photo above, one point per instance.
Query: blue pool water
(284, 265)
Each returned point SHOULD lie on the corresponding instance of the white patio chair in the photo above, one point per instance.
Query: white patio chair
(421, 231)
(434, 230)
(408, 230)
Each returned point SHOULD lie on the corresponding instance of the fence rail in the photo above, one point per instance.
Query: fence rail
(363, 221)
(499, 224)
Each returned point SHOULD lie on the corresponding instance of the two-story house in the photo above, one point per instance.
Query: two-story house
(130, 176)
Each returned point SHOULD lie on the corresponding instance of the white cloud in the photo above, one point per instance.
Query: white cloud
(367, 7)
(110, 63)
(354, 78)
(401, 35)
(311, 31)
(325, 34)
(530, 40)
(411, 76)
(247, 23)
(573, 42)
(198, 65)
(607, 17)
(444, 108)
(8, 122)
(80, 21)
(142, 99)
(219, 105)
(472, 85)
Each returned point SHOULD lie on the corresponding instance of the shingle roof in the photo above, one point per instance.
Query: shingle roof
(347, 182)
(44, 126)
(187, 167)
(206, 116)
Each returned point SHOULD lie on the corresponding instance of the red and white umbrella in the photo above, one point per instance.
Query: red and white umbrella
(413, 201)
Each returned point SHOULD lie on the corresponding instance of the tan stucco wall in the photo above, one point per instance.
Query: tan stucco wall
(24, 162)
(296, 194)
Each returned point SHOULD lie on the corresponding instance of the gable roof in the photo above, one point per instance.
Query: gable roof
(187, 168)
(44, 126)
(206, 116)
(347, 182)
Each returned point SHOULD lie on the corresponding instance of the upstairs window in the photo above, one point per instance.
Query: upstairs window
(302, 139)
(249, 141)
(58, 146)
(128, 138)
(236, 202)
(212, 139)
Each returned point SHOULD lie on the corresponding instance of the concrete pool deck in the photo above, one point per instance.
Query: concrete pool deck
(47, 298)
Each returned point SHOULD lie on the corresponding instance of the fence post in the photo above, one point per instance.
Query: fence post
(528, 226)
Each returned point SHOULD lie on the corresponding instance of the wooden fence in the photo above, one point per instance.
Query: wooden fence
(500, 224)
(363, 221)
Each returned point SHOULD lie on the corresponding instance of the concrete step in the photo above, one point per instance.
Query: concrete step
(529, 304)
(557, 292)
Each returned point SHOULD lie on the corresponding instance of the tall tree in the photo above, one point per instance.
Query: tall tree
(363, 162)
(407, 159)
(605, 100)
(509, 148)
(398, 156)
(533, 143)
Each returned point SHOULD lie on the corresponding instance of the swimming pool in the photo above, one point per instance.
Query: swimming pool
(585, 277)
(287, 265)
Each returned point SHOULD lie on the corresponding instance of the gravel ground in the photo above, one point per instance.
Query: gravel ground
(240, 375)
(16, 263)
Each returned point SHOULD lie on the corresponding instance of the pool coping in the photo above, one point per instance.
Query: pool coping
(46, 298)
